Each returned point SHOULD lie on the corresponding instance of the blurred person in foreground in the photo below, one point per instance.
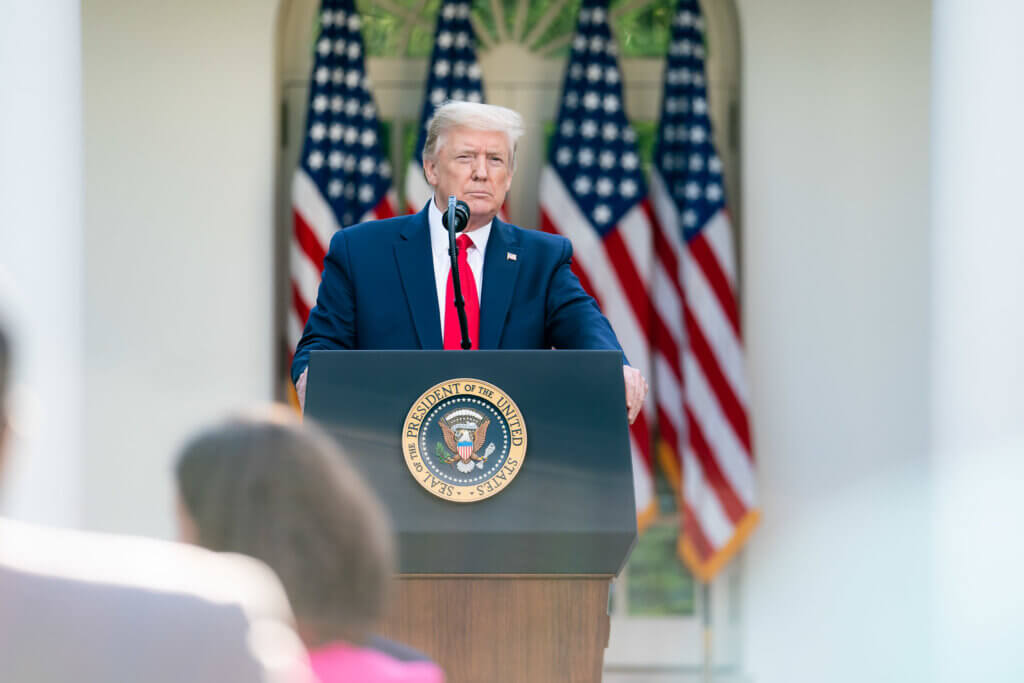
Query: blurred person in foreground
(88, 607)
(283, 492)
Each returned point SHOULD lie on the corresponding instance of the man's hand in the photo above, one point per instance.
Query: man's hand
(636, 391)
(300, 389)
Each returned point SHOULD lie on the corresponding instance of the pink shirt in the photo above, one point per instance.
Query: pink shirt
(341, 663)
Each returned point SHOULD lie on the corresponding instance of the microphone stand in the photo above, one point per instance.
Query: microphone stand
(453, 252)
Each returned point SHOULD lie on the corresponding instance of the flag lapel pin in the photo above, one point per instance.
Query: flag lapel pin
(510, 256)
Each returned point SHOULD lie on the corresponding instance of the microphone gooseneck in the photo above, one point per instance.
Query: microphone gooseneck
(455, 219)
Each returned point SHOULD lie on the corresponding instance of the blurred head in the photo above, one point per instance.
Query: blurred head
(280, 491)
(5, 374)
(470, 152)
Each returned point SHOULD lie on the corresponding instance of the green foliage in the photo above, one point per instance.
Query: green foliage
(641, 31)
(658, 583)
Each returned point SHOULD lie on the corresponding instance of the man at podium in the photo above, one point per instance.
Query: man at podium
(388, 284)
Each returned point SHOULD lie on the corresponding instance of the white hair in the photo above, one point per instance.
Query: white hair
(476, 116)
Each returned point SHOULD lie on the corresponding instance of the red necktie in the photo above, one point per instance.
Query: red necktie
(452, 333)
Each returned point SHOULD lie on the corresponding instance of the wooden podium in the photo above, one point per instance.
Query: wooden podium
(513, 587)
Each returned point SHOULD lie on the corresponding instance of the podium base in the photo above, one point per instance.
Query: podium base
(505, 628)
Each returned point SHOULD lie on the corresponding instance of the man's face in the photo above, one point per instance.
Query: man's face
(475, 166)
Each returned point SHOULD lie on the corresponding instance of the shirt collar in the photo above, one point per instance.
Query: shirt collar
(438, 232)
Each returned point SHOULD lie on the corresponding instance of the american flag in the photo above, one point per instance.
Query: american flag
(343, 176)
(454, 74)
(592, 191)
(700, 382)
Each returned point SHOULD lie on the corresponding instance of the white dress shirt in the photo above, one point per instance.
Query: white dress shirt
(443, 263)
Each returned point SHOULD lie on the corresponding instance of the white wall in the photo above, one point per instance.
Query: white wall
(179, 187)
(836, 301)
(41, 254)
(978, 351)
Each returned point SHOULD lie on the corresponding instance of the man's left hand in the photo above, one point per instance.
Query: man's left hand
(636, 391)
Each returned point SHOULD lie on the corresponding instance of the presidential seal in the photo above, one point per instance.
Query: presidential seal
(464, 440)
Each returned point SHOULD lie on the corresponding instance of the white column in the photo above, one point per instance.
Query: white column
(978, 341)
(41, 252)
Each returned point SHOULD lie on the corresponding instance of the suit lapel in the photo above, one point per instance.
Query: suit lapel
(416, 267)
(500, 273)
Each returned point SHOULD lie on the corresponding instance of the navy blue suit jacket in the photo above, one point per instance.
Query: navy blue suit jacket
(378, 292)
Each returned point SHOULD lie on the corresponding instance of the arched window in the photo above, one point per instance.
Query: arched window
(656, 606)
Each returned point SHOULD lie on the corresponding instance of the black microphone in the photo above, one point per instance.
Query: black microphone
(461, 216)
(457, 215)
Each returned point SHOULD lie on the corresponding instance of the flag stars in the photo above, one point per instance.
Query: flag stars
(334, 188)
(605, 187)
(352, 107)
(630, 161)
(367, 138)
(463, 11)
(474, 97)
(351, 135)
(441, 68)
(323, 74)
(628, 134)
(460, 69)
(576, 71)
(594, 72)
(338, 76)
(323, 47)
(327, 18)
(715, 164)
(315, 160)
(336, 131)
(607, 159)
(335, 159)
(579, 43)
(696, 162)
(588, 129)
(367, 165)
(320, 104)
(568, 128)
(448, 12)
(369, 111)
(337, 104)
(445, 39)
(602, 214)
(597, 44)
(572, 100)
(690, 218)
(317, 131)
(628, 188)
(353, 50)
(692, 190)
(474, 72)
(698, 134)
(611, 75)
(339, 47)
(713, 192)
(591, 100)
(462, 40)
(586, 157)
(366, 193)
(458, 94)
(700, 105)
(610, 131)
(384, 169)
(582, 185)
(564, 156)
(354, 23)
(437, 96)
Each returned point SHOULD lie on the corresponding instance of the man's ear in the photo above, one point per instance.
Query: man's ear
(430, 171)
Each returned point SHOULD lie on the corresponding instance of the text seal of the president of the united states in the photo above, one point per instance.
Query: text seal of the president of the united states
(464, 440)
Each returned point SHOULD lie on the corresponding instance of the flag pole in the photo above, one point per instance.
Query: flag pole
(705, 618)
